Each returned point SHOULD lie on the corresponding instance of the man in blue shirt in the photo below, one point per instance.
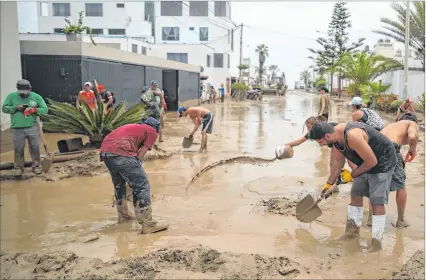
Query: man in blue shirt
(222, 93)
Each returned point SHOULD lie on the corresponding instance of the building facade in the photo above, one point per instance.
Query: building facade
(193, 32)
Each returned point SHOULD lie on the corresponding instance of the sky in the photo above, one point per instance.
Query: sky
(287, 28)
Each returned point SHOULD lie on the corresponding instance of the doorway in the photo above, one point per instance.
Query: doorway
(170, 87)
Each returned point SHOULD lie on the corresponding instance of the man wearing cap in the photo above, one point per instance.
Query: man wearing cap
(87, 96)
(123, 151)
(222, 93)
(158, 96)
(324, 106)
(407, 111)
(24, 106)
(199, 115)
(365, 115)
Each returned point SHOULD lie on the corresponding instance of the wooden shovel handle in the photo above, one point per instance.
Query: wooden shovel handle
(43, 140)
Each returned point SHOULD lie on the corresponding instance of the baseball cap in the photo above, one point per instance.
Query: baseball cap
(180, 111)
(88, 84)
(23, 85)
(356, 101)
(152, 123)
(101, 87)
(154, 83)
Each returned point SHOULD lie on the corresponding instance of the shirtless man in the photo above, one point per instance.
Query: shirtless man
(401, 133)
(199, 115)
(375, 157)
(407, 108)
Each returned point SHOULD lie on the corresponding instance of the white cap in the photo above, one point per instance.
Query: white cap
(88, 84)
(356, 101)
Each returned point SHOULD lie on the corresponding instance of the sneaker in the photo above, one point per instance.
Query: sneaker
(18, 171)
(37, 170)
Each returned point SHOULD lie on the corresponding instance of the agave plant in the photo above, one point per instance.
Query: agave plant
(66, 118)
(78, 28)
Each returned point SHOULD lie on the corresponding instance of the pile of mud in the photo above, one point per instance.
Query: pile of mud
(86, 166)
(280, 205)
(413, 269)
(198, 263)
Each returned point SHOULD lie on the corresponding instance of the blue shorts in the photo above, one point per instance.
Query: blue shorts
(208, 123)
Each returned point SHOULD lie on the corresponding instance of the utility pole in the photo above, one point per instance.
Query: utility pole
(407, 50)
(241, 50)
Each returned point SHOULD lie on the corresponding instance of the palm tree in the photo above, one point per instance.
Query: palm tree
(66, 118)
(274, 70)
(396, 28)
(305, 76)
(263, 52)
(242, 68)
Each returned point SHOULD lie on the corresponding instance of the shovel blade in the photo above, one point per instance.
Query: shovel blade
(46, 164)
(307, 216)
(187, 142)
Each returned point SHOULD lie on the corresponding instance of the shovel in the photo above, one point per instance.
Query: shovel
(46, 164)
(187, 142)
(307, 209)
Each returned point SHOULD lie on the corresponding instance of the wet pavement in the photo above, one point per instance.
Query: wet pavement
(222, 209)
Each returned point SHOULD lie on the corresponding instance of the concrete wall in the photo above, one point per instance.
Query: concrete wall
(10, 66)
(416, 83)
(102, 52)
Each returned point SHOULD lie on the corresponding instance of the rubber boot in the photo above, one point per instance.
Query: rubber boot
(203, 143)
(123, 212)
(149, 225)
(353, 223)
(378, 228)
(160, 132)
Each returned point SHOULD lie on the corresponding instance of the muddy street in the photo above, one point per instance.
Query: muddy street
(233, 216)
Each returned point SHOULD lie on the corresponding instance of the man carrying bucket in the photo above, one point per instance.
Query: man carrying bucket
(375, 157)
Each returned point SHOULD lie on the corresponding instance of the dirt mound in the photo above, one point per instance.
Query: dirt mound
(280, 205)
(413, 269)
(200, 262)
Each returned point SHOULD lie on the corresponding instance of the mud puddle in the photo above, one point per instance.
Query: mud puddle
(280, 205)
(197, 263)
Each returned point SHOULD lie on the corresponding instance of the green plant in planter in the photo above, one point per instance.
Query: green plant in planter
(78, 28)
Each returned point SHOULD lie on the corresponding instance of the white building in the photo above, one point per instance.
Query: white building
(194, 32)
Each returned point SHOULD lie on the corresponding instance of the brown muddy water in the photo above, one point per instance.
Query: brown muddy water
(229, 225)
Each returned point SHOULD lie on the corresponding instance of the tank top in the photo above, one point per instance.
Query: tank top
(327, 104)
(382, 147)
(371, 118)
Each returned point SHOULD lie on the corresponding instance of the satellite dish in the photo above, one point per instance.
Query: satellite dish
(202, 69)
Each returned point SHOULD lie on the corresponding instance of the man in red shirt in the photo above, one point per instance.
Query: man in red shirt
(123, 151)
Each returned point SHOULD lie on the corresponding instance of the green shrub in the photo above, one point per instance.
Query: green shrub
(422, 101)
(238, 90)
(395, 105)
(384, 101)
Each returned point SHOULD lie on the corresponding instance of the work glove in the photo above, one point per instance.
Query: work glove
(324, 189)
(345, 176)
(165, 106)
(30, 111)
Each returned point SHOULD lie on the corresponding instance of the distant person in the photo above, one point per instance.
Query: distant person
(106, 96)
(24, 106)
(365, 115)
(407, 111)
(123, 151)
(161, 102)
(222, 93)
(324, 106)
(87, 96)
(199, 115)
(148, 98)
(98, 90)
(213, 94)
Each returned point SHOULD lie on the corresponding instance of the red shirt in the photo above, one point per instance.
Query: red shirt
(128, 139)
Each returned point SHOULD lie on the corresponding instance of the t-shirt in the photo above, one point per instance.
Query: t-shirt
(148, 98)
(128, 139)
(88, 98)
(222, 91)
(17, 118)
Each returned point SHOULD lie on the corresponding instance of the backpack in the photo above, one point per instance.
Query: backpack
(373, 119)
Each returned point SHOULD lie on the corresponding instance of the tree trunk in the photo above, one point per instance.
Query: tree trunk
(339, 84)
(331, 90)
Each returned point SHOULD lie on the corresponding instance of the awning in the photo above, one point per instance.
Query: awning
(203, 78)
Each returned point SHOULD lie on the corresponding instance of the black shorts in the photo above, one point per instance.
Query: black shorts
(208, 123)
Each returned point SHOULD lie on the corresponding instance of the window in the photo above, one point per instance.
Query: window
(171, 8)
(179, 57)
(204, 33)
(120, 5)
(209, 61)
(94, 10)
(220, 8)
(143, 50)
(44, 9)
(58, 30)
(229, 61)
(117, 31)
(170, 34)
(134, 48)
(191, 28)
(61, 9)
(149, 11)
(199, 8)
(218, 60)
(97, 31)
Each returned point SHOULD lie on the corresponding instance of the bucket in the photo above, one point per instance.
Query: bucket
(187, 142)
(283, 152)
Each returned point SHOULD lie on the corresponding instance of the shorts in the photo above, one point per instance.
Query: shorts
(398, 177)
(155, 113)
(374, 186)
(208, 123)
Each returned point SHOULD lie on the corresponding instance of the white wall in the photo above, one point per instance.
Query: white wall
(10, 66)
(416, 83)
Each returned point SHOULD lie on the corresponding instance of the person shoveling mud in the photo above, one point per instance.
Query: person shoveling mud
(123, 151)
(401, 133)
(375, 156)
(199, 115)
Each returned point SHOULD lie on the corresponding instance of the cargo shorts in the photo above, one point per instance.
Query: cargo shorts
(398, 178)
(374, 186)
